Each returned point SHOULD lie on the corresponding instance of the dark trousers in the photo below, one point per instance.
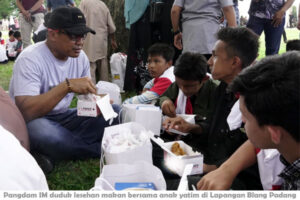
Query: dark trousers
(272, 34)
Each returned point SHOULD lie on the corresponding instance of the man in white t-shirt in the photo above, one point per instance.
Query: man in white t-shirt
(46, 76)
(19, 170)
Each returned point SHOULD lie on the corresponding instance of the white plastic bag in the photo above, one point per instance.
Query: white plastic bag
(136, 172)
(117, 68)
(122, 147)
(149, 116)
(112, 89)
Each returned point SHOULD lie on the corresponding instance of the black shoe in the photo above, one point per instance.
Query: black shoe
(44, 162)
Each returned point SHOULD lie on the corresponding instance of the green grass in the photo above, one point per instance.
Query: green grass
(74, 175)
(291, 34)
(5, 74)
(81, 175)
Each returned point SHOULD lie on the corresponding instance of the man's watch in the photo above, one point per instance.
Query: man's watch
(176, 32)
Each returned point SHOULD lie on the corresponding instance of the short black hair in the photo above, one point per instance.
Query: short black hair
(0, 34)
(10, 33)
(46, 18)
(293, 45)
(17, 34)
(191, 66)
(241, 42)
(271, 89)
(162, 49)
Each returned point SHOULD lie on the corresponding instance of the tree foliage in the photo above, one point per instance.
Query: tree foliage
(7, 7)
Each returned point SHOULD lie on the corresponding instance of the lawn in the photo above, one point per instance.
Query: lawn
(80, 175)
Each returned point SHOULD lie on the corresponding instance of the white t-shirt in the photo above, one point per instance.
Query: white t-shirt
(11, 46)
(3, 56)
(36, 71)
(19, 170)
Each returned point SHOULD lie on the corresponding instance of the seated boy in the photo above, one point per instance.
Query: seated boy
(11, 44)
(160, 67)
(19, 46)
(192, 92)
(270, 109)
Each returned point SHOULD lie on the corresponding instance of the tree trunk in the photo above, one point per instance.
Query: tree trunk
(116, 8)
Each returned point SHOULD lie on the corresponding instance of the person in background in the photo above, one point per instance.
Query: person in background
(19, 46)
(46, 75)
(149, 22)
(269, 17)
(95, 46)
(41, 33)
(293, 45)
(237, 14)
(53, 4)
(11, 44)
(269, 124)
(1, 40)
(200, 19)
(160, 60)
(30, 17)
(3, 56)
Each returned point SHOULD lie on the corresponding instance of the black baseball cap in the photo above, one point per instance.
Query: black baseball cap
(69, 19)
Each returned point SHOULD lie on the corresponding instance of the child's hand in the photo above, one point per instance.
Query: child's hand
(178, 124)
(168, 108)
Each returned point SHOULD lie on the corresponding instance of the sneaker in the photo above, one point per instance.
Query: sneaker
(44, 162)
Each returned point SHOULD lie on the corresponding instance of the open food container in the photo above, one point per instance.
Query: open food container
(177, 163)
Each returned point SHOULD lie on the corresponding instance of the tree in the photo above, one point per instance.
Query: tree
(7, 7)
(77, 2)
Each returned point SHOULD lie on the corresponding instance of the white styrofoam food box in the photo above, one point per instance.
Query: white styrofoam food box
(177, 163)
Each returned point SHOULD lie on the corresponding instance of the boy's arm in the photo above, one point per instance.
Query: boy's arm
(169, 97)
(145, 98)
(148, 85)
(170, 94)
(178, 123)
(222, 178)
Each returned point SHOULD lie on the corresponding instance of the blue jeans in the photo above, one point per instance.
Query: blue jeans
(272, 34)
(68, 136)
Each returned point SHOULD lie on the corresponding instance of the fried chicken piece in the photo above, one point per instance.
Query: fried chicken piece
(177, 150)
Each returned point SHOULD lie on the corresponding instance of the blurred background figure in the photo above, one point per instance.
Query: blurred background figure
(200, 21)
(269, 17)
(95, 46)
(30, 17)
(52, 4)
